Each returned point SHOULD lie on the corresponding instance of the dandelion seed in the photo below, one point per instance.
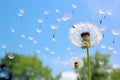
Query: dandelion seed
(57, 10)
(58, 19)
(101, 62)
(22, 35)
(38, 30)
(110, 48)
(13, 30)
(30, 38)
(38, 51)
(20, 45)
(103, 46)
(100, 21)
(47, 49)
(67, 17)
(34, 41)
(52, 52)
(54, 26)
(74, 6)
(4, 45)
(40, 21)
(104, 12)
(10, 56)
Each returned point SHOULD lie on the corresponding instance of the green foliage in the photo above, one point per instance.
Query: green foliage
(99, 67)
(115, 75)
(28, 68)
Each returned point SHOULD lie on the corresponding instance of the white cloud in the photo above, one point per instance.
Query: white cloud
(68, 75)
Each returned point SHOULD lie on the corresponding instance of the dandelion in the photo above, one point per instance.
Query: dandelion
(76, 63)
(84, 31)
(85, 35)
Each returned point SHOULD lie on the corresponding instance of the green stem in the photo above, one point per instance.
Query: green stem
(88, 62)
(78, 77)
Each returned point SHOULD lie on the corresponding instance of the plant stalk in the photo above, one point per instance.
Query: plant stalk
(78, 76)
(88, 62)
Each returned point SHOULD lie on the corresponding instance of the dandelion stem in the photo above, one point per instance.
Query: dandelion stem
(78, 77)
(88, 62)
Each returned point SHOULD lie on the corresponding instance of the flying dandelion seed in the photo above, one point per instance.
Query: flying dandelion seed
(67, 17)
(10, 56)
(54, 26)
(74, 6)
(102, 29)
(73, 26)
(13, 30)
(20, 45)
(30, 38)
(47, 49)
(59, 20)
(110, 48)
(53, 35)
(76, 62)
(114, 52)
(46, 13)
(52, 52)
(21, 13)
(40, 21)
(101, 62)
(84, 28)
(57, 10)
(104, 12)
(34, 41)
(4, 45)
(38, 30)
(38, 51)
(44, 56)
(58, 58)
(100, 21)
(103, 46)
(22, 35)
(53, 39)
(115, 33)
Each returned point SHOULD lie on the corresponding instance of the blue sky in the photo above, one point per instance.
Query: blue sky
(28, 26)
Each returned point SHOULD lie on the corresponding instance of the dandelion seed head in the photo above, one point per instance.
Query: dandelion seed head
(95, 34)
(76, 60)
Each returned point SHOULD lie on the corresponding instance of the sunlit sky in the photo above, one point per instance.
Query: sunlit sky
(41, 27)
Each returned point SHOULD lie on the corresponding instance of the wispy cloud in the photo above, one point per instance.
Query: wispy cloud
(68, 75)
